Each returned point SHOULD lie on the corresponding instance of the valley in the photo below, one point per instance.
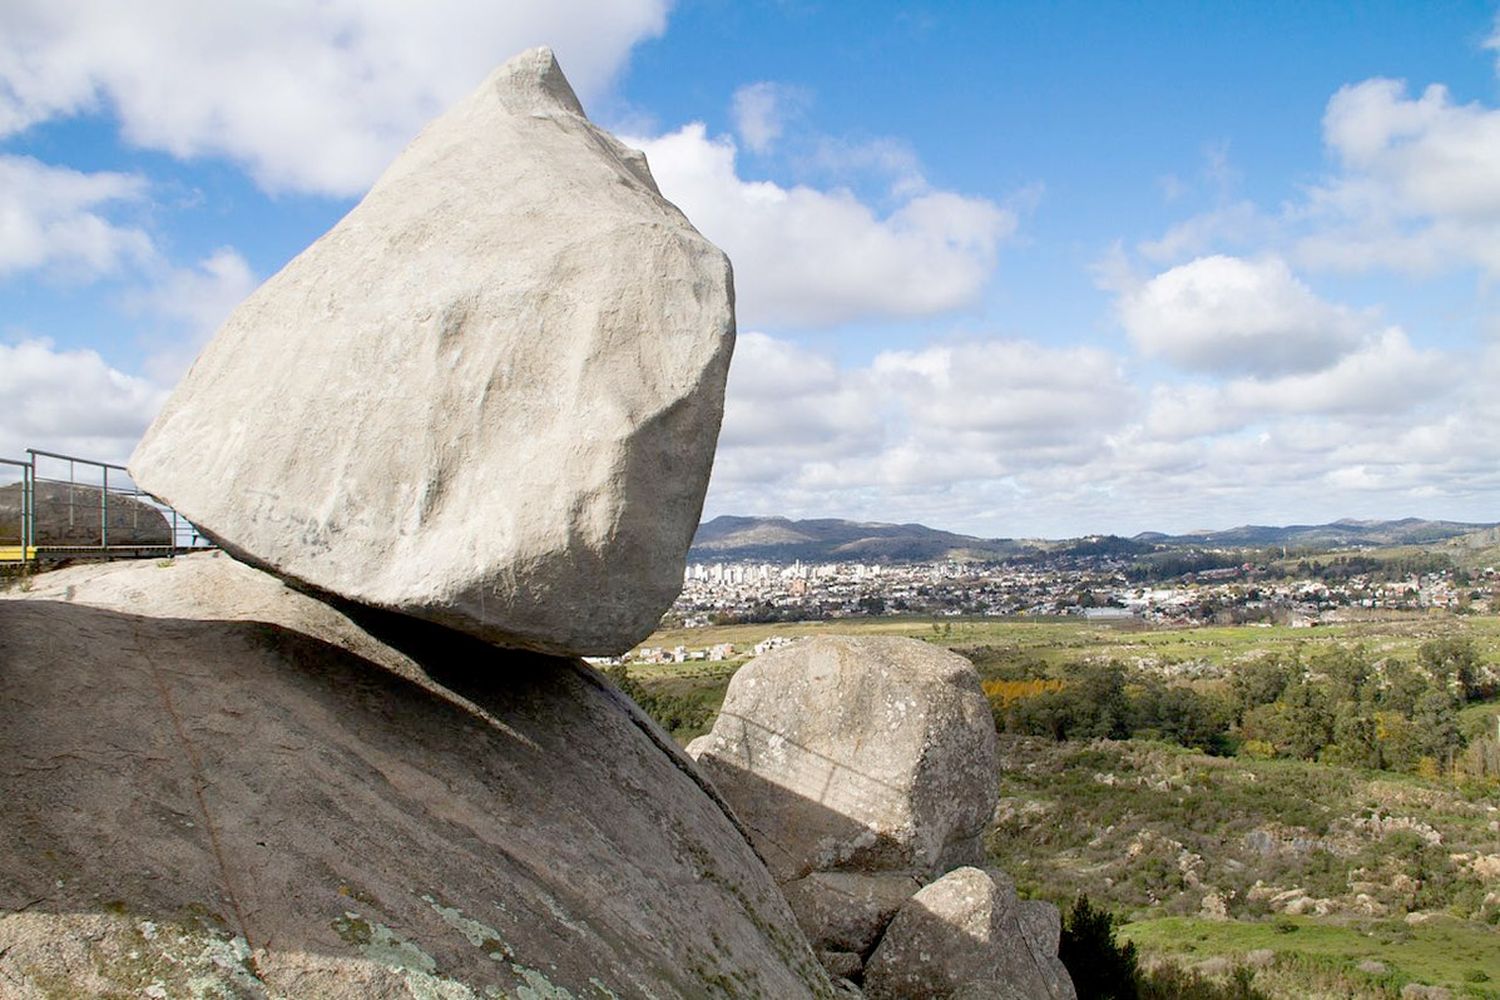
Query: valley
(1314, 872)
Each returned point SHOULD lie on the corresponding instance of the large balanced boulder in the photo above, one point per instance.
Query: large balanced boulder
(488, 397)
(967, 935)
(856, 754)
(217, 786)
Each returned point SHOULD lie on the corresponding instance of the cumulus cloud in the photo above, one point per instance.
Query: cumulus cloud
(1414, 188)
(71, 401)
(1229, 315)
(1016, 393)
(307, 97)
(800, 430)
(1436, 156)
(1015, 438)
(1385, 376)
(57, 219)
(1240, 224)
(193, 301)
(806, 257)
(1418, 188)
(760, 111)
(787, 398)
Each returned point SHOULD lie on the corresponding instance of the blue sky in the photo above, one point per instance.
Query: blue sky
(1015, 269)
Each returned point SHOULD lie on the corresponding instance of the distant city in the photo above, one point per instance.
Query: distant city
(1333, 588)
(719, 593)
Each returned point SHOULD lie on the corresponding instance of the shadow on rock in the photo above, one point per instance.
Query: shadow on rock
(245, 801)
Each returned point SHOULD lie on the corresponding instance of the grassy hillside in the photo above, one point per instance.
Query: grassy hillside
(994, 642)
(1303, 878)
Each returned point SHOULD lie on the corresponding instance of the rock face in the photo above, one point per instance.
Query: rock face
(488, 397)
(966, 935)
(214, 785)
(856, 754)
(71, 515)
(863, 768)
(846, 912)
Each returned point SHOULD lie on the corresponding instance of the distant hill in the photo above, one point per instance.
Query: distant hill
(781, 539)
(832, 540)
(1339, 534)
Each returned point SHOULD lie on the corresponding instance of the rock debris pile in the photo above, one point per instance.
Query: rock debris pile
(864, 769)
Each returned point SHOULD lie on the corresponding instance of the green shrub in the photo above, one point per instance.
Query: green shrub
(1101, 969)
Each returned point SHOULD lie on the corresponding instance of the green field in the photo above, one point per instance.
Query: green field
(1060, 640)
(1317, 958)
(1054, 644)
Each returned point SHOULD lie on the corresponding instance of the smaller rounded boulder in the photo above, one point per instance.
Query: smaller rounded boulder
(967, 935)
(856, 754)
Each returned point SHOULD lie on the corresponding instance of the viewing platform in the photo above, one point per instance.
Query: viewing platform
(56, 507)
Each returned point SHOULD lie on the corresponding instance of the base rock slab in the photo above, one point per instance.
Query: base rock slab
(214, 785)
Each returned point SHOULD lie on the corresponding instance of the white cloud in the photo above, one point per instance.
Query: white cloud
(891, 160)
(1014, 393)
(53, 218)
(807, 257)
(1239, 224)
(193, 301)
(71, 402)
(802, 432)
(308, 97)
(1008, 437)
(1419, 188)
(760, 111)
(1229, 315)
(785, 399)
(1415, 188)
(1385, 377)
(1436, 157)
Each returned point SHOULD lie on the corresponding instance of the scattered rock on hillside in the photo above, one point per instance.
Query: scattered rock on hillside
(216, 785)
(967, 935)
(856, 754)
(845, 912)
(488, 397)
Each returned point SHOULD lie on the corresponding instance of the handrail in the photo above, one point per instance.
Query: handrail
(73, 458)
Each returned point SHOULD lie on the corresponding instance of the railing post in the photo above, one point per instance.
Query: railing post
(28, 494)
(104, 511)
(25, 511)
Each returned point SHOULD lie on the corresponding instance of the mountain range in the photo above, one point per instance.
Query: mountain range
(781, 539)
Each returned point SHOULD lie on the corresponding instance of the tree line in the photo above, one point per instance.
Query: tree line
(1335, 705)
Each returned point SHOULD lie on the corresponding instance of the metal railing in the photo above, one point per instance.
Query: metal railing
(68, 507)
(22, 550)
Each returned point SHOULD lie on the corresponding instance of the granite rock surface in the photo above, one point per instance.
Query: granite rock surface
(217, 786)
(488, 397)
